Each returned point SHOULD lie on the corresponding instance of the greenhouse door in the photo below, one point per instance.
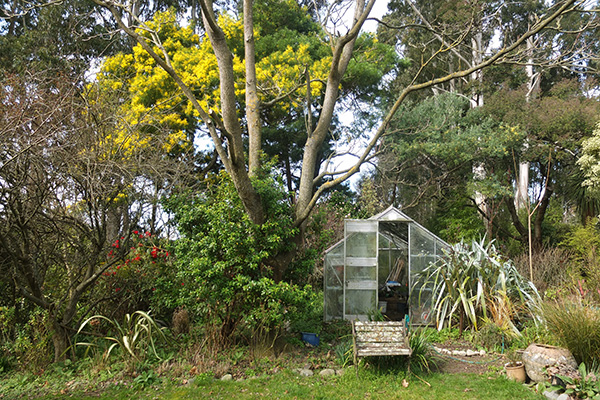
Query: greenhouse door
(360, 272)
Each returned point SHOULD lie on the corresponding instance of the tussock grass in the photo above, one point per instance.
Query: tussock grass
(577, 327)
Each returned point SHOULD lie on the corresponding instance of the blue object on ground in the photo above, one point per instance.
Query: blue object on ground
(310, 338)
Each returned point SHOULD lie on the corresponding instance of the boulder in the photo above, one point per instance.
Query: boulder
(305, 372)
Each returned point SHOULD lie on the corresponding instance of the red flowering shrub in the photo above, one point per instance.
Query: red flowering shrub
(140, 277)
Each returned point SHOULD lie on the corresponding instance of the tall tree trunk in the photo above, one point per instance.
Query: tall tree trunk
(60, 341)
(533, 84)
(252, 101)
(341, 55)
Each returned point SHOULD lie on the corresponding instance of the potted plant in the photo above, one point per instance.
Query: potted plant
(515, 370)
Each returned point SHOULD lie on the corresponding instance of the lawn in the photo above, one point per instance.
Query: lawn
(370, 384)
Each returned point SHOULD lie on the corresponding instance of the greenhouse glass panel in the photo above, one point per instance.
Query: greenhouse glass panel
(360, 303)
(375, 266)
(360, 279)
(422, 253)
(333, 270)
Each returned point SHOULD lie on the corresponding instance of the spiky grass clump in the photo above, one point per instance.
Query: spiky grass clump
(577, 327)
(422, 358)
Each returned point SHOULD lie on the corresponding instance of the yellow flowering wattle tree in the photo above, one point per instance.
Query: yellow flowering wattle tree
(154, 102)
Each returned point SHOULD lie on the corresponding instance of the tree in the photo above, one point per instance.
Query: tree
(67, 193)
(589, 162)
(555, 123)
(426, 166)
(226, 129)
(62, 36)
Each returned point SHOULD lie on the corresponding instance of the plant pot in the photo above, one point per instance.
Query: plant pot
(310, 338)
(515, 372)
(537, 357)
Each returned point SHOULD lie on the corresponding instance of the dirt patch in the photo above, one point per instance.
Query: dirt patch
(478, 364)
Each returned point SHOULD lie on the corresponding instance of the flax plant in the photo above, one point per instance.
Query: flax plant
(466, 279)
(135, 336)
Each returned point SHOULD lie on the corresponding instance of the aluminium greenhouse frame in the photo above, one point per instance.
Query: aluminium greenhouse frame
(375, 267)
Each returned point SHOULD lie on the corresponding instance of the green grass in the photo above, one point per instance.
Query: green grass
(370, 384)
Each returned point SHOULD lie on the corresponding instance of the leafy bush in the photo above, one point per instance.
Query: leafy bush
(30, 346)
(468, 280)
(492, 337)
(587, 387)
(309, 317)
(226, 263)
(142, 278)
(584, 244)
(577, 327)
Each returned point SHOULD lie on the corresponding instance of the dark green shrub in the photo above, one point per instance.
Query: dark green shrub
(33, 342)
(225, 263)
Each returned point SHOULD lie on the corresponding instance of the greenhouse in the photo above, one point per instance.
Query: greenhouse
(373, 268)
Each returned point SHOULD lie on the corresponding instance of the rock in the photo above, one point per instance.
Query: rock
(471, 353)
(226, 377)
(482, 353)
(563, 396)
(339, 372)
(327, 372)
(459, 353)
(305, 372)
(537, 357)
(551, 395)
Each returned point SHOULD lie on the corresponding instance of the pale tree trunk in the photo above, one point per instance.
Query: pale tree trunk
(533, 84)
(477, 76)
(521, 197)
(342, 53)
(252, 101)
(235, 160)
(476, 101)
